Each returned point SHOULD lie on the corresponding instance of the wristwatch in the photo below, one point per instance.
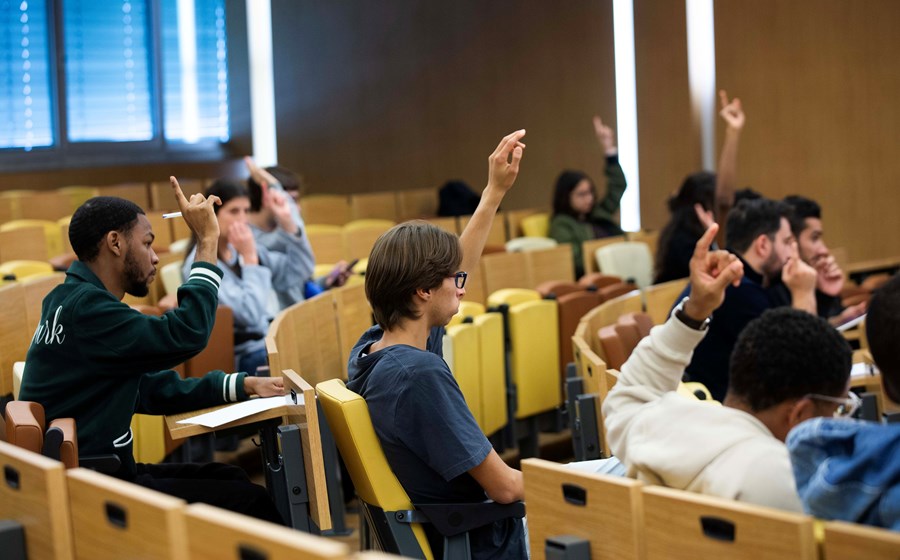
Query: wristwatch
(688, 321)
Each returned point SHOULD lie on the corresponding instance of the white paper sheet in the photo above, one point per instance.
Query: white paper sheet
(239, 410)
(863, 370)
(851, 323)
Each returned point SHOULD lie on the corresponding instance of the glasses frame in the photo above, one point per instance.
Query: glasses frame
(459, 279)
(846, 406)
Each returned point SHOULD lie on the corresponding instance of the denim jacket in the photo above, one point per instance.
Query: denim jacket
(848, 470)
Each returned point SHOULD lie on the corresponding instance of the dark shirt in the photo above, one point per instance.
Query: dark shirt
(428, 434)
(677, 257)
(710, 363)
(826, 306)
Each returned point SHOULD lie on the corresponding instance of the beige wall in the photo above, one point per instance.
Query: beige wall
(373, 99)
(819, 80)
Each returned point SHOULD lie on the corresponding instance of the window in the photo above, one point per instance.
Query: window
(151, 74)
(107, 54)
(25, 109)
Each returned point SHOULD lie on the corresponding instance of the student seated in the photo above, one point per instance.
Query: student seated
(806, 224)
(250, 271)
(850, 470)
(788, 366)
(759, 235)
(415, 279)
(702, 199)
(97, 360)
(578, 215)
(268, 194)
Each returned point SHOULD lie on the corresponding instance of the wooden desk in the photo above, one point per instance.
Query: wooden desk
(291, 444)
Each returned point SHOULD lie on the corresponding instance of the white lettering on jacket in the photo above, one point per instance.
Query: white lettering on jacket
(47, 334)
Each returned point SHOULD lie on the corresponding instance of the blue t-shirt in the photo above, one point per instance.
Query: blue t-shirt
(428, 434)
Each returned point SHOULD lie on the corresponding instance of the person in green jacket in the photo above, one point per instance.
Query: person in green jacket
(95, 359)
(578, 214)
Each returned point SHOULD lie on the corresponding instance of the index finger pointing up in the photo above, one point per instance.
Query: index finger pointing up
(179, 195)
(702, 248)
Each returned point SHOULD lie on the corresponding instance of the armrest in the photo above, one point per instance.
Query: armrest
(101, 463)
(453, 519)
(61, 443)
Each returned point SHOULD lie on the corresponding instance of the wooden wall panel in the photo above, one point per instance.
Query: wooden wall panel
(373, 96)
(669, 145)
(819, 81)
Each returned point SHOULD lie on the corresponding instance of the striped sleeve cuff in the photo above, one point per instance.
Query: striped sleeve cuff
(233, 387)
(205, 272)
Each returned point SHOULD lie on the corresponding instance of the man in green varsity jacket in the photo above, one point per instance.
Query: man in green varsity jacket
(95, 359)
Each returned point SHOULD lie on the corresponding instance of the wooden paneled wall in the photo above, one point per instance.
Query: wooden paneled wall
(373, 96)
(669, 145)
(819, 80)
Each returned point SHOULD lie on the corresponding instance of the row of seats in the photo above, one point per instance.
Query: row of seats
(620, 518)
(78, 513)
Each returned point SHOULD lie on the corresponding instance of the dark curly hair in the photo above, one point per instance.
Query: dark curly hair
(97, 217)
(883, 332)
(786, 354)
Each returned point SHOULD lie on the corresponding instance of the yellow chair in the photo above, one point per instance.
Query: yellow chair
(589, 248)
(52, 233)
(494, 404)
(378, 206)
(462, 352)
(25, 269)
(505, 270)
(77, 195)
(418, 203)
(512, 296)
(218, 534)
(34, 493)
(466, 309)
(360, 235)
(64, 234)
(325, 209)
(396, 523)
(605, 510)
(15, 333)
(27, 240)
(326, 241)
(536, 225)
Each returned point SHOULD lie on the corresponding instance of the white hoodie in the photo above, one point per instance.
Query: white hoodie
(664, 438)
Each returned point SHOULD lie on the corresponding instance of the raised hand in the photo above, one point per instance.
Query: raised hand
(711, 273)
(198, 212)
(731, 111)
(799, 277)
(241, 238)
(606, 136)
(706, 217)
(830, 277)
(262, 177)
(264, 386)
(503, 164)
(276, 201)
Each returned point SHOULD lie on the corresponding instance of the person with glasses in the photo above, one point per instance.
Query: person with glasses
(849, 469)
(787, 366)
(415, 279)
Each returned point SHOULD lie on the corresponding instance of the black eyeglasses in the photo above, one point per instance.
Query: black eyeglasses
(459, 279)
